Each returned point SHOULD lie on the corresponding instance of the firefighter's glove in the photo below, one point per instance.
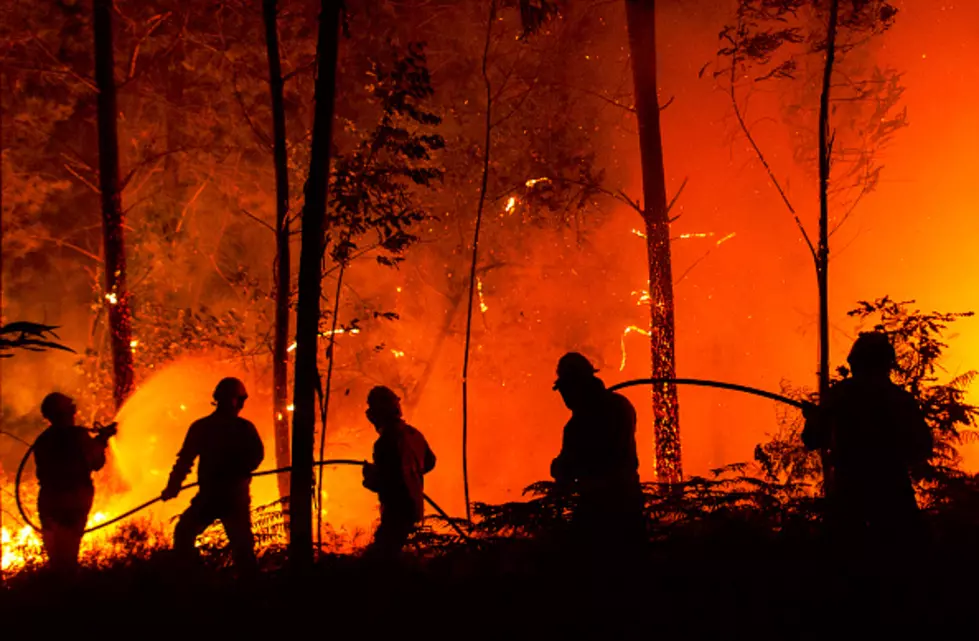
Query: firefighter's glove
(169, 493)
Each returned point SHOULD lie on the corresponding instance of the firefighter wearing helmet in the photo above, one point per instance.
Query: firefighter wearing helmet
(402, 458)
(65, 456)
(229, 449)
(874, 433)
(598, 460)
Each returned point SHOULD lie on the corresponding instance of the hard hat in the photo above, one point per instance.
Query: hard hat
(230, 388)
(573, 366)
(872, 350)
(382, 397)
(53, 403)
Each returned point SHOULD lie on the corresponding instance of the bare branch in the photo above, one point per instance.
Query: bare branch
(84, 181)
(764, 162)
(261, 135)
(676, 197)
(155, 22)
(67, 245)
(68, 70)
(148, 160)
(257, 219)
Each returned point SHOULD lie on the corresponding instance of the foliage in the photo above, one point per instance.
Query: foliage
(918, 339)
(32, 337)
(372, 186)
(784, 41)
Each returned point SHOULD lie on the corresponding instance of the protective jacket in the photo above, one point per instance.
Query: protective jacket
(402, 457)
(874, 432)
(599, 443)
(229, 448)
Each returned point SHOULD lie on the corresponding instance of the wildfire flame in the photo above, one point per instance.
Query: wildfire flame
(510, 204)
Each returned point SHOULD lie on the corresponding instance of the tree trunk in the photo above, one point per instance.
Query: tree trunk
(116, 294)
(475, 258)
(310, 285)
(822, 254)
(641, 19)
(280, 351)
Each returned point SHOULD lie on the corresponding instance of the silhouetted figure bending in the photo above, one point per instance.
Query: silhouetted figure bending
(598, 459)
(230, 449)
(873, 432)
(66, 455)
(402, 458)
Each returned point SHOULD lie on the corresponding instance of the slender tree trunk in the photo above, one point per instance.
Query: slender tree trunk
(325, 411)
(280, 351)
(116, 294)
(310, 288)
(475, 260)
(822, 254)
(641, 18)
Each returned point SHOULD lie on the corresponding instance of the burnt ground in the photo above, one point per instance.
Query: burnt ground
(717, 588)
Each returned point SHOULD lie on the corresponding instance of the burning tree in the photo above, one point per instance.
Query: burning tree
(641, 17)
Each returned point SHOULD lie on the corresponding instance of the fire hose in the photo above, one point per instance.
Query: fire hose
(632, 383)
(143, 506)
(705, 383)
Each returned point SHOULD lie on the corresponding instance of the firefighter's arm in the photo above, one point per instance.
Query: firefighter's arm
(185, 461)
(94, 447)
(371, 477)
(815, 434)
(429, 459)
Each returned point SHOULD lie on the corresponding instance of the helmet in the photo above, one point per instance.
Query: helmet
(573, 366)
(384, 399)
(55, 403)
(872, 351)
(230, 389)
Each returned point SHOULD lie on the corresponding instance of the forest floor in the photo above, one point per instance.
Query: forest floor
(723, 586)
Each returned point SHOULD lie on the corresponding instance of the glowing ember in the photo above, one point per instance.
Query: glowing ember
(397, 353)
(112, 298)
(292, 347)
(629, 330)
(290, 408)
(534, 181)
(699, 235)
(479, 290)
(638, 233)
(511, 204)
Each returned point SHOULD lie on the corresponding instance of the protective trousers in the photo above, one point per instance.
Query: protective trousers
(63, 518)
(391, 534)
(233, 510)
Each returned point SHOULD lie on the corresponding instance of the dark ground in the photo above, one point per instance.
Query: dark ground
(719, 589)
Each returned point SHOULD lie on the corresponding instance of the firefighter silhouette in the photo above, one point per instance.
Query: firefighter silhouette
(229, 449)
(598, 459)
(874, 433)
(66, 455)
(401, 460)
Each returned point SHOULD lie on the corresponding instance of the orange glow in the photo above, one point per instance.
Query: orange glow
(744, 314)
